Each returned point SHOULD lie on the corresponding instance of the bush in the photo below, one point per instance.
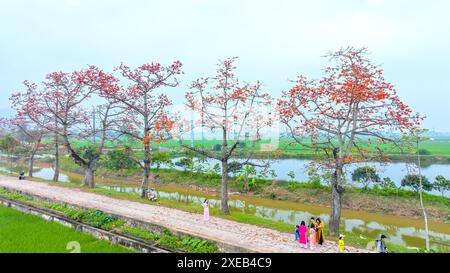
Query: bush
(413, 181)
(98, 218)
(217, 147)
(160, 158)
(365, 175)
(424, 152)
(185, 163)
(293, 186)
(120, 159)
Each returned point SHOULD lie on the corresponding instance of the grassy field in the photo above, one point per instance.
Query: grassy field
(25, 233)
(286, 147)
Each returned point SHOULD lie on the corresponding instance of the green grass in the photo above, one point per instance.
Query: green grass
(286, 147)
(106, 221)
(25, 233)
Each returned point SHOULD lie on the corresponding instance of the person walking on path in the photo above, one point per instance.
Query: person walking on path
(297, 232)
(381, 246)
(341, 243)
(312, 237)
(319, 229)
(303, 240)
(206, 210)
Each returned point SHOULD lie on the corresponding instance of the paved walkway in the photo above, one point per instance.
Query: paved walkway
(217, 229)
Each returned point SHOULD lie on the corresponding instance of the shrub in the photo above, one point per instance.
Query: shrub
(185, 163)
(413, 181)
(365, 175)
(293, 186)
(120, 159)
(160, 158)
(98, 218)
(424, 152)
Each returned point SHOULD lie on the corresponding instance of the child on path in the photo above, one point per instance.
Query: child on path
(297, 234)
(341, 243)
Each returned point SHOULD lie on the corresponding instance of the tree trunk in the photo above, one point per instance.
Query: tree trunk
(30, 164)
(56, 173)
(336, 202)
(425, 217)
(146, 176)
(224, 188)
(89, 177)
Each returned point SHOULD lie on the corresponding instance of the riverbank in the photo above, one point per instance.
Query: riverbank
(248, 236)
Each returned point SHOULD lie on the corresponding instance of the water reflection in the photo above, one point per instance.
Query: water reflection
(44, 173)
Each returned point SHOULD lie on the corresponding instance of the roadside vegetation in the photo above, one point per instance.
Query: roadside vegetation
(25, 233)
(102, 220)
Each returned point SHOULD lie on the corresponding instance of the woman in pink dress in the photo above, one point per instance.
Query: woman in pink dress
(303, 240)
(312, 237)
(205, 210)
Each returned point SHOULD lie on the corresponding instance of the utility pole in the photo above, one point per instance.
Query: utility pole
(93, 122)
(192, 130)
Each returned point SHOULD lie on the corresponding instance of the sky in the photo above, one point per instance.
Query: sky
(275, 41)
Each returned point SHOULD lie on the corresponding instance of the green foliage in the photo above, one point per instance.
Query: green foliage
(234, 167)
(293, 186)
(441, 184)
(314, 178)
(212, 172)
(413, 181)
(168, 240)
(185, 163)
(244, 175)
(291, 174)
(120, 159)
(98, 218)
(365, 175)
(424, 152)
(87, 152)
(387, 183)
(193, 245)
(141, 233)
(26, 233)
(160, 158)
(9, 145)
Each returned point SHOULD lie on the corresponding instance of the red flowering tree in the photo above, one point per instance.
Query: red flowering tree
(350, 114)
(25, 104)
(32, 135)
(226, 105)
(62, 107)
(145, 116)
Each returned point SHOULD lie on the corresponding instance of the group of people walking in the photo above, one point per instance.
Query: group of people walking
(315, 230)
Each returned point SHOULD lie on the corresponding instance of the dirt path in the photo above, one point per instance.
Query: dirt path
(239, 234)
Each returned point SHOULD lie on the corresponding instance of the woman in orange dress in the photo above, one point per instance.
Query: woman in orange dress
(319, 234)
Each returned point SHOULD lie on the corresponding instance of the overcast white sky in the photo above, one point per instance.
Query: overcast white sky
(275, 40)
